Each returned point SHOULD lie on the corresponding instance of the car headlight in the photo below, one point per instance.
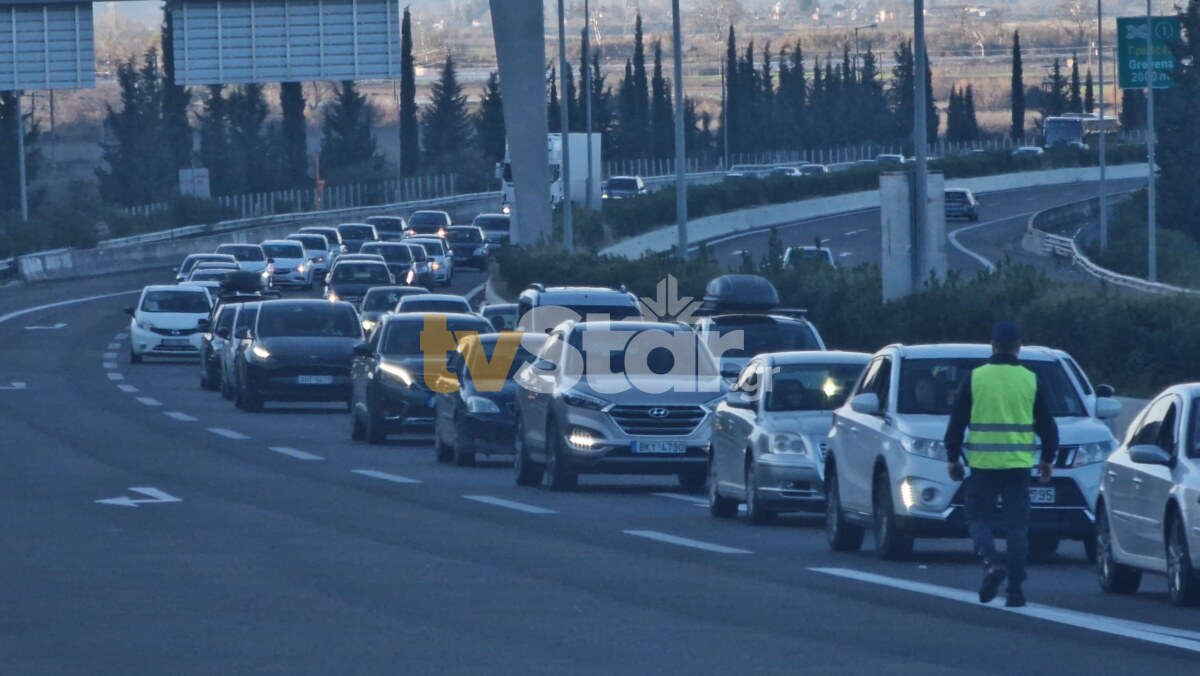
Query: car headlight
(261, 353)
(1089, 454)
(367, 325)
(929, 448)
(788, 442)
(145, 325)
(435, 265)
(397, 372)
(441, 232)
(603, 195)
(300, 268)
(581, 439)
(333, 297)
(584, 401)
(409, 277)
(923, 494)
(319, 259)
(482, 405)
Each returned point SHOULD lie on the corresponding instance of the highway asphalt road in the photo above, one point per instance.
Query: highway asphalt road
(291, 549)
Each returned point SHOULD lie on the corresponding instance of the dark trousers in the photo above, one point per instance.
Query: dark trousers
(1010, 515)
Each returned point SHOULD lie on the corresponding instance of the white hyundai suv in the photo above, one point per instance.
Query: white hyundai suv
(886, 465)
(166, 321)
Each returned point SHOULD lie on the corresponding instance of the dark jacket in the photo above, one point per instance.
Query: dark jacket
(960, 418)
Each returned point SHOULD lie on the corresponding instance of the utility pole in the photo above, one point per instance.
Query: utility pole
(920, 149)
(680, 139)
(1150, 140)
(587, 88)
(725, 116)
(1103, 128)
(565, 121)
(20, 129)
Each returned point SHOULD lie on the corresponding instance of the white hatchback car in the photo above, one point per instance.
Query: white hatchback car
(166, 321)
(1148, 514)
(289, 263)
(886, 467)
(770, 433)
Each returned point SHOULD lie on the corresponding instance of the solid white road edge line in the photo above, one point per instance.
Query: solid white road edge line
(128, 389)
(686, 542)
(680, 496)
(394, 478)
(509, 504)
(73, 301)
(1168, 636)
(149, 401)
(180, 416)
(228, 434)
(953, 237)
(293, 453)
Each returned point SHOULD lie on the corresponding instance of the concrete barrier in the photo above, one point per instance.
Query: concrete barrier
(760, 218)
(162, 249)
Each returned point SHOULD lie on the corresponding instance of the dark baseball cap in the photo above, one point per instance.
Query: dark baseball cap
(1006, 334)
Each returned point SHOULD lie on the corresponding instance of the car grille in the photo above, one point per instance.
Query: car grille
(175, 332)
(283, 271)
(823, 449)
(637, 420)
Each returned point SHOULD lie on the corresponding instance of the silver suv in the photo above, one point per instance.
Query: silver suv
(616, 398)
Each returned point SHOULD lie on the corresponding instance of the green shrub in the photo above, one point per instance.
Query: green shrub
(1177, 252)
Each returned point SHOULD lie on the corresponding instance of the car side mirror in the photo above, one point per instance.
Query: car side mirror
(270, 261)
(1147, 454)
(129, 311)
(1106, 391)
(739, 399)
(1107, 409)
(202, 324)
(545, 365)
(866, 404)
(363, 350)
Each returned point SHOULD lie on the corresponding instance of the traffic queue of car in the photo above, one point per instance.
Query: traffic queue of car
(744, 401)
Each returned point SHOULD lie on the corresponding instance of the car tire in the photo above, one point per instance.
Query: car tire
(1089, 548)
(210, 383)
(525, 471)
(226, 389)
(358, 431)
(892, 543)
(442, 451)
(375, 428)
(134, 357)
(756, 513)
(251, 401)
(557, 477)
(463, 455)
(1183, 581)
(1114, 577)
(719, 506)
(1043, 549)
(693, 481)
(841, 535)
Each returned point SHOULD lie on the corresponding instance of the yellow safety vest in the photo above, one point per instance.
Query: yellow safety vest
(1001, 428)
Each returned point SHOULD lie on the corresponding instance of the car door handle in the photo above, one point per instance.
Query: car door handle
(1137, 481)
(1112, 475)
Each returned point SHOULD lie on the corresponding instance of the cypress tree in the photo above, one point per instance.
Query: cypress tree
(410, 144)
(640, 124)
(489, 121)
(137, 169)
(249, 148)
(731, 115)
(447, 124)
(1075, 104)
(901, 94)
(10, 184)
(931, 110)
(662, 117)
(572, 100)
(1017, 126)
(214, 142)
(1089, 93)
(1057, 89)
(348, 142)
(970, 119)
(293, 135)
(553, 111)
(626, 112)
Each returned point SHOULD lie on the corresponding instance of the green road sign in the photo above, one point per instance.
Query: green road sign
(1131, 51)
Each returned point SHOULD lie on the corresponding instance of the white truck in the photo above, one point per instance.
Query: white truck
(579, 173)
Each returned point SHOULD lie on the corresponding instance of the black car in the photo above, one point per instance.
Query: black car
(390, 393)
(354, 235)
(299, 350)
(399, 259)
(382, 300)
(351, 280)
(468, 246)
(478, 416)
(390, 228)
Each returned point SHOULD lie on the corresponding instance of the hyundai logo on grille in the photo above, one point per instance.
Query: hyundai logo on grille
(659, 412)
(175, 333)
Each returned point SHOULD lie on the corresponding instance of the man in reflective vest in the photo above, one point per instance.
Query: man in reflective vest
(1007, 412)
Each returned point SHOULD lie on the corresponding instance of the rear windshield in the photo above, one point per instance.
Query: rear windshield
(433, 248)
(418, 253)
(366, 274)
(622, 184)
(242, 253)
(492, 223)
(278, 320)
(391, 253)
(471, 236)
(330, 234)
(190, 302)
(284, 250)
(927, 386)
(404, 338)
(312, 242)
(811, 387)
(208, 276)
(192, 261)
(812, 169)
(956, 197)
(419, 305)
(426, 219)
(357, 231)
(383, 300)
(390, 223)
(761, 338)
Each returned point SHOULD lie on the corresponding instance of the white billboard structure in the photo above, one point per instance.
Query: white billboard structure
(46, 46)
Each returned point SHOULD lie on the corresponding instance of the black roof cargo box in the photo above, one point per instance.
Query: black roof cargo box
(739, 294)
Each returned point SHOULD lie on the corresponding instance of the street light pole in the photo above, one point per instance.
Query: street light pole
(1103, 128)
(1152, 235)
(23, 190)
(587, 88)
(856, 50)
(725, 116)
(920, 148)
(565, 123)
(680, 138)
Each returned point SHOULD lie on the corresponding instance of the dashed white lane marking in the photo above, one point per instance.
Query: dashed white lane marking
(684, 498)
(121, 336)
(1151, 633)
(128, 389)
(394, 478)
(823, 240)
(115, 376)
(509, 504)
(149, 401)
(228, 434)
(109, 355)
(686, 542)
(845, 253)
(177, 415)
(112, 346)
(854, 232)
(293, 453)
(109, 365)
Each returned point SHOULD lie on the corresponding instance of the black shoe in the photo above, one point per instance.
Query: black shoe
(992, 577)
(1015, 599)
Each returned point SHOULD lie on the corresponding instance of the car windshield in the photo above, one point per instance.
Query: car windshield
(809, 255)
(761, 337)
(508, 314)
(927, 386)
(433, 248)
(357, 231)
(369, 273)
(403, 338)
(957, 197)
(243, 253)
(418, 254)
(283, 250)
(312, 242)
(390, 253)
(208, 276)
(190, 302)
(389, 223)
(811, 387)
(328, 320)
(812, 169)
(382, 300)
(649, 352)
(330, 234)
(626, 184)
(469, 236)
(430, 305)
(428, 220)
(492, 223)
(192, 261)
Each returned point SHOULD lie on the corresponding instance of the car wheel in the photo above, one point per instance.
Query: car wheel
(557, 478)
(358, 431)
(1183, 582)
(443, 451)
(251, 401)
(693, 481)
(226, 389)
(375, 429)
(1089, 548)
(841, 535)
(463, 455)
(525, 472)
(755, 511)
(718, 505)
(210, 382)
(892, 543)
(134, 357)
(1115, 578)
(1043, 549)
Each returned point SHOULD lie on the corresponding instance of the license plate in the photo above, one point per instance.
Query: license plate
(659, 447)
(175, 342)
(1041, 496)
(314, 380)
